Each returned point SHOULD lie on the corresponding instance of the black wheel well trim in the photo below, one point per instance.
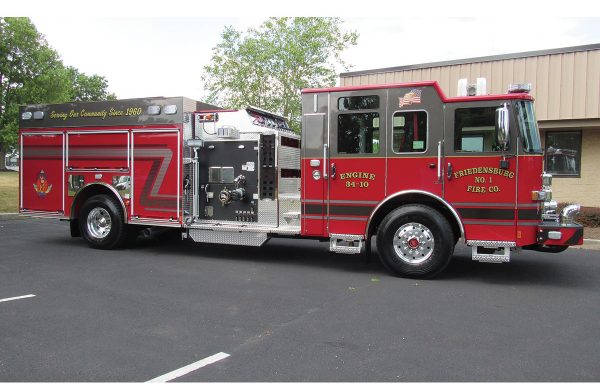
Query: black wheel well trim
(395, 199)
(87, 188)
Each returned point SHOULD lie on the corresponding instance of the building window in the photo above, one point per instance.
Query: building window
(410, 132)
(475, 130)
(358, 133)
(563, 153)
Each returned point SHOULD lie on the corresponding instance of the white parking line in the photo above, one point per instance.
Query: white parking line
(189, 368)
(15, 298)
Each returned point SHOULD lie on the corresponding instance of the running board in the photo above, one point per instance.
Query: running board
(346, 243)
(491, 251)
(228, 237)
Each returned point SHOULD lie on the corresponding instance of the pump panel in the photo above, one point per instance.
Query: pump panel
(228, 185)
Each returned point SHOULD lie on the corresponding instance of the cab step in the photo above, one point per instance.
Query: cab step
(346, 243)
(491, 251)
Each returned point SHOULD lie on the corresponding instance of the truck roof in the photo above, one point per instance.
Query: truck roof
(434, 84)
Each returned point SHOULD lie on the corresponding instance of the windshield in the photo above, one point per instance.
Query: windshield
(530, 135)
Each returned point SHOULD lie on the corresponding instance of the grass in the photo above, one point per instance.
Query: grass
(9, 192)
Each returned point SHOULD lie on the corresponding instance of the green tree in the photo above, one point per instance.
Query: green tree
(32, 72)
(86, 88)
(267, 67)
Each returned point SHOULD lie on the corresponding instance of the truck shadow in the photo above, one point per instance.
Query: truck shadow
(526, 268)
(296, 252)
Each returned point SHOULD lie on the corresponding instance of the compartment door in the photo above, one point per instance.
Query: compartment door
(156, 175)
(42, 174)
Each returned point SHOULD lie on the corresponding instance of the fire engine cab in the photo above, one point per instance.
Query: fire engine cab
(402, 162)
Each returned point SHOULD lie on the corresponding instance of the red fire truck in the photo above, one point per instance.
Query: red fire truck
(402, 162)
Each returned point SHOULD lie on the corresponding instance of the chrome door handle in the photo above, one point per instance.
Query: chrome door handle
(439, 162)
(325, 161)
(333, 170)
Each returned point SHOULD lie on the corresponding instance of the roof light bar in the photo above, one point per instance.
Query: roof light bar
(519, 88)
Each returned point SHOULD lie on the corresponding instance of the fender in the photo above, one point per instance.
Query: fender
(418, 192)
(111, 188)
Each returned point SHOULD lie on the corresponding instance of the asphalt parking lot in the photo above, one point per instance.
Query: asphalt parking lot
(289, 311)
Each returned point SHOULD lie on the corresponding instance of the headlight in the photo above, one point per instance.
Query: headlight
(546, 180)
(545, 195)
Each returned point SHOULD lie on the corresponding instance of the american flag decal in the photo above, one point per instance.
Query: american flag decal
(414, 96)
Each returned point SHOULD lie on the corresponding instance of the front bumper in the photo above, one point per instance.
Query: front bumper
(557, 234)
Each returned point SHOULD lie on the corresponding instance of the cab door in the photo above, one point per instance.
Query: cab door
(315, 117)
(356, 170)
(416, 130)
(480, 181)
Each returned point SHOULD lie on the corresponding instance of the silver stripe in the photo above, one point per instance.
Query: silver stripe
(348, 218)
(163, 210)
(469, 204)
(488, 223)
(43, 152)
(311, 217)
(520, 205)
(528, 223)
(90, 152)
(340, 201)
(353, 201)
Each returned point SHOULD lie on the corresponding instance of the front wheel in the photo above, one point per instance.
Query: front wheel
(415, 241)
(101, 223)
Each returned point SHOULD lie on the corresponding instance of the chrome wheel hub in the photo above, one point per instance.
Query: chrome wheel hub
(99, 223)
(413, 243)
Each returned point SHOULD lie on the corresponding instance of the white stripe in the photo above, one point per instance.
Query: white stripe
(189, 368)
(15, 298)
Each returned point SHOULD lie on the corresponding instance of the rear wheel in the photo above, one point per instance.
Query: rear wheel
(102, 223)
(415, 241)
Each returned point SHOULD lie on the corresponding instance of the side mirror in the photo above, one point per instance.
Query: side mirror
(502, 130)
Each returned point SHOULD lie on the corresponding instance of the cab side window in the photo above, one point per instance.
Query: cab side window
(358, 132)
(409, 132)
(475, 130)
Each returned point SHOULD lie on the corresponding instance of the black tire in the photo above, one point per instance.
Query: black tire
(415, 241)
(102, 224)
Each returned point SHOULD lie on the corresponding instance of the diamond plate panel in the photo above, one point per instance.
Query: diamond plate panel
(288, 208)
(289, 186)
(229, 238)
(267, 212)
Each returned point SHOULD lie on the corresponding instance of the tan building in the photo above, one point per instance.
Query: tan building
(566, 87)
